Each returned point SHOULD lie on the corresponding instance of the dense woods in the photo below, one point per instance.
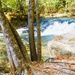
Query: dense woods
(18, 13)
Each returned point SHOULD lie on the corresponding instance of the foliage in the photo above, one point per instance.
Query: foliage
(4, 67)
(20, 8)
(3, 57)
(3, 53)
(48, 6)
(9, 5)
(54, 6)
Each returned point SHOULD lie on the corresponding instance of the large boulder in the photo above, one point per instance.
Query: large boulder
(61, 47)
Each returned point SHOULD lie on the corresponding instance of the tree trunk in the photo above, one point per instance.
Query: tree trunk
(20, 43)
(31, 30)
(15, 55)
(38, 32)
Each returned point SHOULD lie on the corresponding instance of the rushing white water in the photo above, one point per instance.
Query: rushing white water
(51, 26)
(58, 28)
(55, 29)
(22, 31)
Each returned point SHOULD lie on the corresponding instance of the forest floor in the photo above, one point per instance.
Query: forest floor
(56, 67)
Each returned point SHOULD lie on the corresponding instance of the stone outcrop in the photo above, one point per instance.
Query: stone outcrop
(61, 47)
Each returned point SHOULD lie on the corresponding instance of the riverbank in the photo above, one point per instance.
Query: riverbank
(68, 15)
(21, 21)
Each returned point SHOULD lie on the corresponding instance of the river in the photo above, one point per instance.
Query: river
(50, 27)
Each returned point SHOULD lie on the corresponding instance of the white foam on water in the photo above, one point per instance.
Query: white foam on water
(59, 28)
(22, 31)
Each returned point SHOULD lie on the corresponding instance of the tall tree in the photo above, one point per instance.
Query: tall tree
(16, 57)
(38, 31)
(31, 30)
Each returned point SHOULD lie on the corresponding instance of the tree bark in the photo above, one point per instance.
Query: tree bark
(38, 32)
(15, 55)
(20, 44)
(31, 30)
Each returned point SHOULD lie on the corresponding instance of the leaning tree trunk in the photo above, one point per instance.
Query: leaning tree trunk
(14, 52)
(31, 30)
(12, 45)
(18, 63)
(20, 44)
(38, 31)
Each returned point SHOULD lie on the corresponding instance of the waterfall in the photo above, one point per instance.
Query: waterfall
(58, 28)
(51, 26)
